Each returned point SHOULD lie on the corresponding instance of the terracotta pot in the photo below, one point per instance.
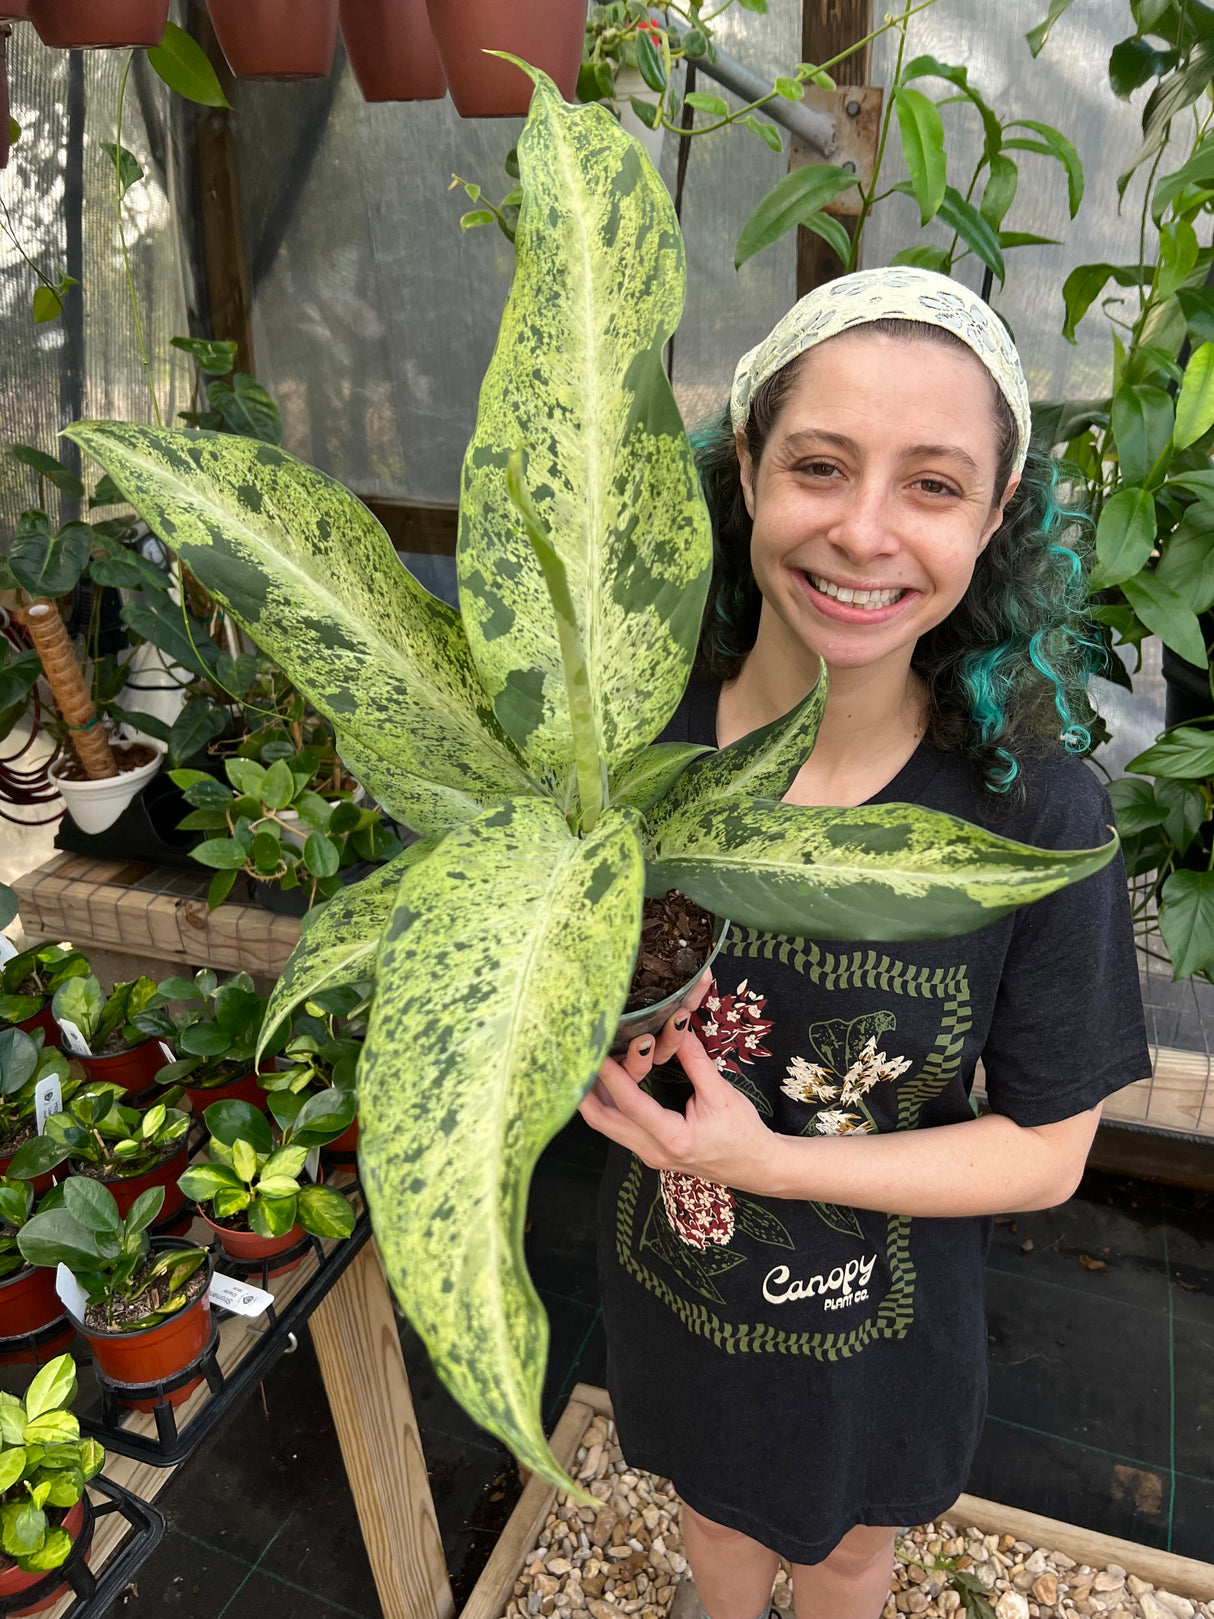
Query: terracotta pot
(28, 1301)
(14, 10)
(125, 1191)
(547, 33)
(40, 1183)
(242, 1089)
(247, 1245)
(276, 39)
(15, 1580)
(44, 1020)
(75, 24)
(133, 1069)
(392, 52)
(155, 1353)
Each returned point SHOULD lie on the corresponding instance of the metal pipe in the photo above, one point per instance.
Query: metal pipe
(815, 129)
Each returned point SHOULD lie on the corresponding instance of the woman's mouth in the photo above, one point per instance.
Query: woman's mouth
(850, 605)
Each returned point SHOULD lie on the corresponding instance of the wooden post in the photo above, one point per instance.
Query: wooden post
(229, 302)
(358, 1347)
(828, 27)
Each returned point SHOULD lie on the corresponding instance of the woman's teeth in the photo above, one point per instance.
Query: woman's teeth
(856, 598)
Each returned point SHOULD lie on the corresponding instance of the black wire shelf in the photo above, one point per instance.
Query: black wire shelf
(95, 1593)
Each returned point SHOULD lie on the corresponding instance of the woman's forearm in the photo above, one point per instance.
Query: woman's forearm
(981, 1166)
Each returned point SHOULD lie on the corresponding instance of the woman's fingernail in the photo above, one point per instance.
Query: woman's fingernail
(682, 1020)
(644, 1049)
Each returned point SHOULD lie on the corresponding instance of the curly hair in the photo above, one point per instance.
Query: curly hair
(1012, 660)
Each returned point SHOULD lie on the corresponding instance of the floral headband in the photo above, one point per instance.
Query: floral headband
(901, 293)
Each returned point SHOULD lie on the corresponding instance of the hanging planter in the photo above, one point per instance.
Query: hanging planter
(276, 39)
(629, 83)
(547, 33)
(392, 52)
(99, 24)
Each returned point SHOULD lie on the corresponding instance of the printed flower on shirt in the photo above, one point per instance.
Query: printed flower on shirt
(699, 1211)
(731, 1028)
(845, 1075)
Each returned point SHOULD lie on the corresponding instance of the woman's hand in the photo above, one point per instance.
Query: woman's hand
(720, 1137)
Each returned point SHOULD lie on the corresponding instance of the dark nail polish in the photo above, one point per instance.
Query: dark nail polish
(643, 1051)
(683, 1019)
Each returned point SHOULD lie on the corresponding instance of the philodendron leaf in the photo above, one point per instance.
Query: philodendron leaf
(762, 764)
(577, 378)
(884, 871)
(340, 946)
(499, 986)
(309, 573)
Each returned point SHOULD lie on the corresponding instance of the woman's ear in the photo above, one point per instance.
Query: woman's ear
(996, 517)
(746, 470)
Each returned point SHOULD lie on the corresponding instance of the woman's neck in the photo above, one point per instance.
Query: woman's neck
(875, 716)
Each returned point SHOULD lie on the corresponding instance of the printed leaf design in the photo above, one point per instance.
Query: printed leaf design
(839, 1042)
(760, 1223)
(881, 872)
(839, 1218)
(340, 945)
(577, 378)
(499, 984)
(695, 1267)
(307, 570)
(762, 764)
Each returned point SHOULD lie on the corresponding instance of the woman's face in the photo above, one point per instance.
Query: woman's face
(874, 496)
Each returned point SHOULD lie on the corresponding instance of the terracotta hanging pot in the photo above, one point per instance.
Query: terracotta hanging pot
(547, 33)
(98, 24)
(276, 39)
(391, 49)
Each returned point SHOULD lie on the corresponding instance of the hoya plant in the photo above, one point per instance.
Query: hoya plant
(324, 1045)
(127, 1287)
(29, 979)
(25, 1062)
(119, 1142)
(105, 1022)
(217, 1027)
(16, 1206)
(44, 1463)
(517, 736)
(252, 1175)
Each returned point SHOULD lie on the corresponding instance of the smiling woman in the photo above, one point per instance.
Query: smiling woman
(801, 1251)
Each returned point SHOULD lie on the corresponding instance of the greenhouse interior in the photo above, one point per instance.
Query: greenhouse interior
(709, 506)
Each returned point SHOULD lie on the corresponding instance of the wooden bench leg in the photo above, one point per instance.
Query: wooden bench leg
(358, 1347)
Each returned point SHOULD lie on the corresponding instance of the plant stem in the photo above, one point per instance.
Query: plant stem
(126, 260)
(867, 197)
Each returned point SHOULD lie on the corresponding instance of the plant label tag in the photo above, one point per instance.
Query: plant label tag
(48, 1099)
(166, 1051)
(312, 1164)
(239, 1297)
(74, 1040)
(7, 949)
(70, 1291)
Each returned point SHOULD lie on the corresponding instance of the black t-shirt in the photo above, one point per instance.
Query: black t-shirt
(797, 1368)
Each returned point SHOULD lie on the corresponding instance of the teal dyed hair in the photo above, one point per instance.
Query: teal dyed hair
(1011, 662)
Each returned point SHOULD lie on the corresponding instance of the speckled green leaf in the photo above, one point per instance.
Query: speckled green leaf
(885, 871)
(499, 985)
(312, 576)
(577, 380)
(340, 946)
(762, 764)
(646, 778)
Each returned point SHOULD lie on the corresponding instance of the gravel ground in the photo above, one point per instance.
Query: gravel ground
(625, 1557)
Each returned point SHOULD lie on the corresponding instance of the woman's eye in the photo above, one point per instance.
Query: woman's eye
(936, 486)
(818, 469)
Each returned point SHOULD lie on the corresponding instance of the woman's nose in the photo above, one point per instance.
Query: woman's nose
(864, 525)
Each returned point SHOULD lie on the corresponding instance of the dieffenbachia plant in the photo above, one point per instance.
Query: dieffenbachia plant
(517, 736)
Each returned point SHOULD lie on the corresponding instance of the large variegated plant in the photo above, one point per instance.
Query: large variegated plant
(517, 737)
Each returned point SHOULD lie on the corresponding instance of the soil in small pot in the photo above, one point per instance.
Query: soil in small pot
(677, 937)
(215, 1079)
(156, 1297)
(127, 756)
(22, 1134)
(110, 1172)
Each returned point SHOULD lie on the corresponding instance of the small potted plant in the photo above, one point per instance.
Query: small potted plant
(145, 1303)
(28, 1300)
(25, 1063)
(44, 1468)
(323, 1051)
(118, 1146)
(29, 980)
(252, 1182)
(99, 1033)
(217, 1032)
(289, 823)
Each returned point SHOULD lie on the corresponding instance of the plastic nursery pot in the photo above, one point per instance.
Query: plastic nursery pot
(248, 1246)
(15, 1580)
(391, 49)
(155, 1354)
(126, 1190)
(44, 1020)
(276, 39)
(547, 33)
(88, 24)
(40, 1183)
(244, 1088)
(94, 805)
(28, 1301)
(344, 1146)
(649, 1019)
(134, 1069)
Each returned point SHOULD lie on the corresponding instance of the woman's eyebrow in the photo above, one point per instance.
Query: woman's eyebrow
(816, 437)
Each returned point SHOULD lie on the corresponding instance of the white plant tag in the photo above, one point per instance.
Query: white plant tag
(74, 1040)
(166, 1051)
(7, 949)
(70, 1291)
(48, 1099)
(312, 1164)
(239, 1297)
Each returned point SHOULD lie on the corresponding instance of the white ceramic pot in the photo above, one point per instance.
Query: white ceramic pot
(300, 837)
(628, 82)
(96, 805)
